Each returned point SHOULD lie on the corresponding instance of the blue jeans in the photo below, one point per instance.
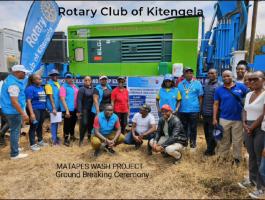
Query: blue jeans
(262, 168)
(36, 128)
(54, 129)
(189, 122)
(129, 138)
(14, 122)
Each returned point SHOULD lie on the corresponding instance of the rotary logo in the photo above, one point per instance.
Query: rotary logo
(49, 11)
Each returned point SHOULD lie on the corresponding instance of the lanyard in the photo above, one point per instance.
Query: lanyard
(187, 90)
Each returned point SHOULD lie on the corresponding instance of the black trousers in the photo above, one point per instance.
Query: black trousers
(69, 125)
(208, 132)
(4, 124)
(123, 121)
(255, 145)
(189, 122)
(86, 124)
(36, 128)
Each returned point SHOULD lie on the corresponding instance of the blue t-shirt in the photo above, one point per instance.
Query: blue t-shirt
(190, 92)
(230, 108)
(37, 96)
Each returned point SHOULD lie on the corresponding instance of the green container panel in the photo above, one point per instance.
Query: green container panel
(135, 58)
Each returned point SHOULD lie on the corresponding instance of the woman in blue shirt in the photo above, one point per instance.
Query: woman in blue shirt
(36, 106)
(168, 94)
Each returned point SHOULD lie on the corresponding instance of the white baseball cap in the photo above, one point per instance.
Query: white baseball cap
(19, 68)
(102, 77)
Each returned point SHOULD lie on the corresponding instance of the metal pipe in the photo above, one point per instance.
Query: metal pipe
(253, 32)
(244, 12)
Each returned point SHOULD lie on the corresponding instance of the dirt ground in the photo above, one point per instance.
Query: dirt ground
(196, 176)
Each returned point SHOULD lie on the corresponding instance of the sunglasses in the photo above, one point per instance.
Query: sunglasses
(253, 79)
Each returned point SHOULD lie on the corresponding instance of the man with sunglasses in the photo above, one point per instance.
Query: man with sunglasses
(170, 138)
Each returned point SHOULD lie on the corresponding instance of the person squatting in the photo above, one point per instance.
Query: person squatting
(234, 108)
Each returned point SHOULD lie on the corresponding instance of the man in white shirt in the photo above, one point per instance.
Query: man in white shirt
(143, 127)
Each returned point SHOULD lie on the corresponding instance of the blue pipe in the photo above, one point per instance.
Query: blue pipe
(244, 9)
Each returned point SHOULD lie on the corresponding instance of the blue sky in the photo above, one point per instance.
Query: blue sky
(13, 13)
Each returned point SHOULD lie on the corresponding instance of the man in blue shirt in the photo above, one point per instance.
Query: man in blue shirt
(13, 102)
(191, 99)
(228, 100)
(107, 130)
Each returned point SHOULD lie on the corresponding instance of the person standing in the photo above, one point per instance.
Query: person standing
(4, 124)
(120, 103)
(36, 105)
(241, 70)
(84, 106)
(228, 101)
(102, 95)
(13, 103)
(168, 94)
(207, 110)
(191, 92)
(253, 115)
(68, 96)
(52, 89)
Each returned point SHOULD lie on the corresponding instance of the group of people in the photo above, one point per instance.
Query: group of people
(235, 107)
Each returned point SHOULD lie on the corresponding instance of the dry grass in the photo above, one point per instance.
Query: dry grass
(195, 177)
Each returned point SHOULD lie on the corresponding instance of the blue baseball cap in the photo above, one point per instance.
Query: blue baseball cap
(53, 72)
(168, 77)
(68, 75)
(218, 132)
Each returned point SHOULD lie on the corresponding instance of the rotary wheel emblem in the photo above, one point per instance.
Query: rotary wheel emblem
(49, 11)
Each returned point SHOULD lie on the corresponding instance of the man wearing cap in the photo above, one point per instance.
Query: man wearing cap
(120, 102)
(13, 102)
(101, 95)
(143, 127)
(191, 100)
(52, 89)
(107, 131)
(170, 137)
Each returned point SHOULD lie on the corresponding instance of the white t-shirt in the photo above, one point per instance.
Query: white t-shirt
(255, 109)
(143, 124)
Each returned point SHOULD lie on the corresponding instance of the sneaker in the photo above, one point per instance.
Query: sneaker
(20, 155)
(43, 144)
(67, 142)
(257, 194)
(176, 161)
(208, 153)
(2, 140)
(73, 138)
(236, 162)
(138, 145)
(246, 183)
(96, 153)
(35, 147)
(193, 149)
(109, 149)
(149, 150)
